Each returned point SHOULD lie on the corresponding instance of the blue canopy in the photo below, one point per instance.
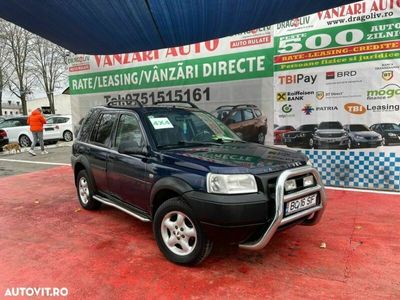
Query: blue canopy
(117, 26)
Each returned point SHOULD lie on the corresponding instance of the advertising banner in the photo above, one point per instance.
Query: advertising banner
(337, 87)
(225, 72)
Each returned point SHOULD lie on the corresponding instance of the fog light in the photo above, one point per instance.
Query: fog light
(290, 185)
(308, 181)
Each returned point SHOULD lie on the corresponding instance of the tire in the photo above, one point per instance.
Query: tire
(68, 136)
(350, 144)
(24, 141)
(311, 144)
(84, 189)
(174, 221)
(261, 138)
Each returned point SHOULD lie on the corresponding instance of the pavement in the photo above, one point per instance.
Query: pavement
(47, 240)
(19, 163)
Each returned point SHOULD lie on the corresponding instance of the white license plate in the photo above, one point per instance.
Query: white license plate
(300, 204)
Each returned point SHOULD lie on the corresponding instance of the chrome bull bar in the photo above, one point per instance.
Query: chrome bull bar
(315, 212)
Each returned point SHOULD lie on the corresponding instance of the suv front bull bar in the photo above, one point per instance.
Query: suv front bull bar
(315, 212)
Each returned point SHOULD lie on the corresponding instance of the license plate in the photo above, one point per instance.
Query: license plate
(300, 204)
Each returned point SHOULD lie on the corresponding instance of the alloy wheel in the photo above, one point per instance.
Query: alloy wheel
(84, 193)
(178, 233)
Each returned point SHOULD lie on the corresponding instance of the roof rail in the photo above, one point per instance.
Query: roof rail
(119, 103)
(236, 106)
(179, 102)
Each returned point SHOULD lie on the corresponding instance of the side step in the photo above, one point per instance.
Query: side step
(137, 215)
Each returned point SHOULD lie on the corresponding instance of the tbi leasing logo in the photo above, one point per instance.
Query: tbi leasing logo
(355, 108)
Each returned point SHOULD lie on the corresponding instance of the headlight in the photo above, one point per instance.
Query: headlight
(290, 185)
(358, 136)
(302, 135)
(309, 162)
(391, 134)
(231, 184)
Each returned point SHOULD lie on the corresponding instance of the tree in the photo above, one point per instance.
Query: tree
(49, 66)
(19, 42)
(4, 67)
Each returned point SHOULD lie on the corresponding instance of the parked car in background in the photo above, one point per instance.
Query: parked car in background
(2, 119)
(331, 135)
(302, 137)
(17, 130)
(59, 127)
(279, 131)
(3, 139)
(390, 132)
(360, 136)
(246, 120)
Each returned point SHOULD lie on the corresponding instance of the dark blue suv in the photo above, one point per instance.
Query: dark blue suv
(184, 170)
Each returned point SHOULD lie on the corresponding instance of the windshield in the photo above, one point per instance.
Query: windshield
(179, 127)
(330, 125)
(311, 127)
(358, 128)
(390, 127)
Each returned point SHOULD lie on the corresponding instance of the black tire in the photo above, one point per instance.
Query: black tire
(24, 141)
(68, 136)
(85, 195)
(261, 138)
(199, 246)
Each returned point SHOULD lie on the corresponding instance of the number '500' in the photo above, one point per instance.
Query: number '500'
(322, 40)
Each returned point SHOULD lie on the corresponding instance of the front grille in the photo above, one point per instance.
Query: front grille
(330, 135)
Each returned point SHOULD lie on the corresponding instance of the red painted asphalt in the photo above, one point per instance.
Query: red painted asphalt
(46, 240)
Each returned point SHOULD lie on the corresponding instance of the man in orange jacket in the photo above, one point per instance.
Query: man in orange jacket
(36, 122)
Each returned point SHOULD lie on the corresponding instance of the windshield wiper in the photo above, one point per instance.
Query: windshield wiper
(223, 141)
(189, 144)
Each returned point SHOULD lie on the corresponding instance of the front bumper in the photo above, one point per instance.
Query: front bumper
(240, 218)
(331, 142)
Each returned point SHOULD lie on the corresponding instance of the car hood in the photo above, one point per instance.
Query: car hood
(235, 158)
(365, 133)
(297, 132)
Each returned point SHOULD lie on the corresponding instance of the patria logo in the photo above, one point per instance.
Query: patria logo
(308, 109)
(287, 108)
(355, 108)
(387, 92)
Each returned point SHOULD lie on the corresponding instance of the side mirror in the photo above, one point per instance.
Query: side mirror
(132, 148)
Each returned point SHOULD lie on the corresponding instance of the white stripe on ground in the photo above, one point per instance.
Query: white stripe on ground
(34, 162)
(362, 191)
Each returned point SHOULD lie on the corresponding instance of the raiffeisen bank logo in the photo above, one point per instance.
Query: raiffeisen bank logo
(389, 91)
(308, 109)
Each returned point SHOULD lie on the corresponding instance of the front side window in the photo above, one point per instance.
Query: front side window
(129, 132)
(103, 129)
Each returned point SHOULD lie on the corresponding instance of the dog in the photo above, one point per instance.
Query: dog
(12, 147)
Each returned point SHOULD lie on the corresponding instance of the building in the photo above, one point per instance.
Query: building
(62, 103)
(10, 108)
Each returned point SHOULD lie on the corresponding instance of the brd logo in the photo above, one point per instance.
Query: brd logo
(355, 108)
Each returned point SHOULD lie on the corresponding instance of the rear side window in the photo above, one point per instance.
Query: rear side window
(61, 120)
(258, 113)
(87, 125)
(103, 128)
(248, 114)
